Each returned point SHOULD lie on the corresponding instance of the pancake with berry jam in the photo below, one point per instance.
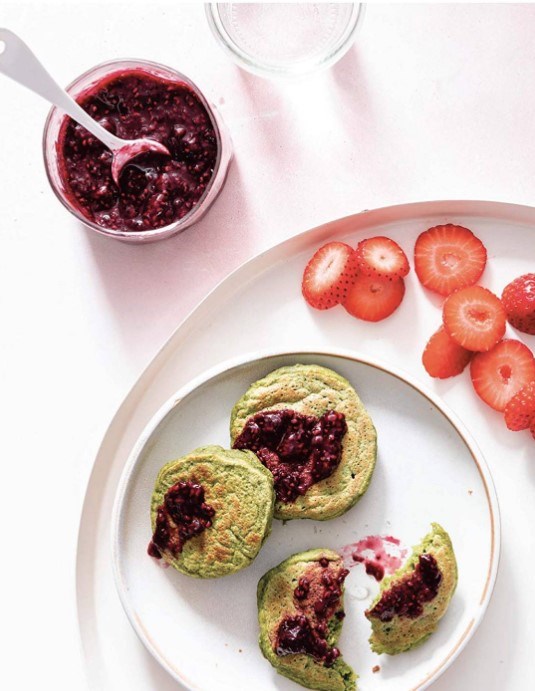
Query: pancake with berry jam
(307, 425)
(412, 601)
(211, 511)
(300, 613)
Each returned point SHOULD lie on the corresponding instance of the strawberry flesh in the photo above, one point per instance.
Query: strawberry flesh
(448, 257)
(500, 373)
(374, 299)
(381, 257)
(475, 318)
(443, 357)
(518, 298)
(329, 275)
(520, 411)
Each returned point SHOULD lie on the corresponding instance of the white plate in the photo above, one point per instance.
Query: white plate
(429, 469)
(259, 306)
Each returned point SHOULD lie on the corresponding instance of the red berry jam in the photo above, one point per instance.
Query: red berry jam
(371, 567)
(317, 599)
(378, 555)
(154, 190)
(299, 450)
(406, 598)
(182, 515)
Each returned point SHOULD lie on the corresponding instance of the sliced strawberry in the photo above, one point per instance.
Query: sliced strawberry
(328, 275)
(518, 298)
(448, 257)
(381, 257)
(532, 428)
(500, 373)
(443, 357)
(474, 317)
(519, 413)
(373, 299)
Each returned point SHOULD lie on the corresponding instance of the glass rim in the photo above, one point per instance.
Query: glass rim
(265, 69)
(139, 235)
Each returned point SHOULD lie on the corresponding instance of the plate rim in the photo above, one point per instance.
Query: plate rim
(355, 356)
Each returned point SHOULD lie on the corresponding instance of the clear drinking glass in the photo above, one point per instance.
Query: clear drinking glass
(284, 39)
(83, 83)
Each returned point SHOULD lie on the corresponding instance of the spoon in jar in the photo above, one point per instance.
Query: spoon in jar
(19, 63)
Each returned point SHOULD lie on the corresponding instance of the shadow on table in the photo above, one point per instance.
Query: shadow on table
(150, 288)
(363, 113)
(157, 284)
(350, 88)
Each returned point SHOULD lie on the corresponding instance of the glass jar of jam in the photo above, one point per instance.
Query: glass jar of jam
(157, 196)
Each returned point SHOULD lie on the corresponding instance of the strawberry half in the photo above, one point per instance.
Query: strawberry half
(443, 357)
(518, 298)
(519, 413)
(474, 317)
(448, 257)
(381, 257)
(373, 299)
(328, 275)
(501, 372)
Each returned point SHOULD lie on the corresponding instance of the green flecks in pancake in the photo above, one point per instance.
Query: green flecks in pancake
(313, 390)
(403, 633)
(240, 490)
(275, 596)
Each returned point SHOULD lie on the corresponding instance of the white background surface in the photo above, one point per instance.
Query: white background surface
(432, 102)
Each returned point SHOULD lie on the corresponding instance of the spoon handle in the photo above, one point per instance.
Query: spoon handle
(19, 63)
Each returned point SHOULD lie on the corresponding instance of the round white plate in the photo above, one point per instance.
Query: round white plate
(429, 469)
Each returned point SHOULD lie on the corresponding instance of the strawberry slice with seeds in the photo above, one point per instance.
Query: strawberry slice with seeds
(448, 257)
(373, 299)
(443, 357)
(519, 413)
(518, 298)
(500, 373)
(381, 257)
(475, 318)
(329, 275)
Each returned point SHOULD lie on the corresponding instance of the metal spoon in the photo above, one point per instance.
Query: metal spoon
(18, 62)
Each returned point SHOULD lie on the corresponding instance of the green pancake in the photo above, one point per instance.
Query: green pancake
(240, 491)
(277, 601)
(402, 633)
(314, 390)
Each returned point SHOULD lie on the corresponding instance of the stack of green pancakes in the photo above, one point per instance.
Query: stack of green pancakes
(212, 509)
(303, 446)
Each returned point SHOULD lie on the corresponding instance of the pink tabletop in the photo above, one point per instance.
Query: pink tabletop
(432, 102)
